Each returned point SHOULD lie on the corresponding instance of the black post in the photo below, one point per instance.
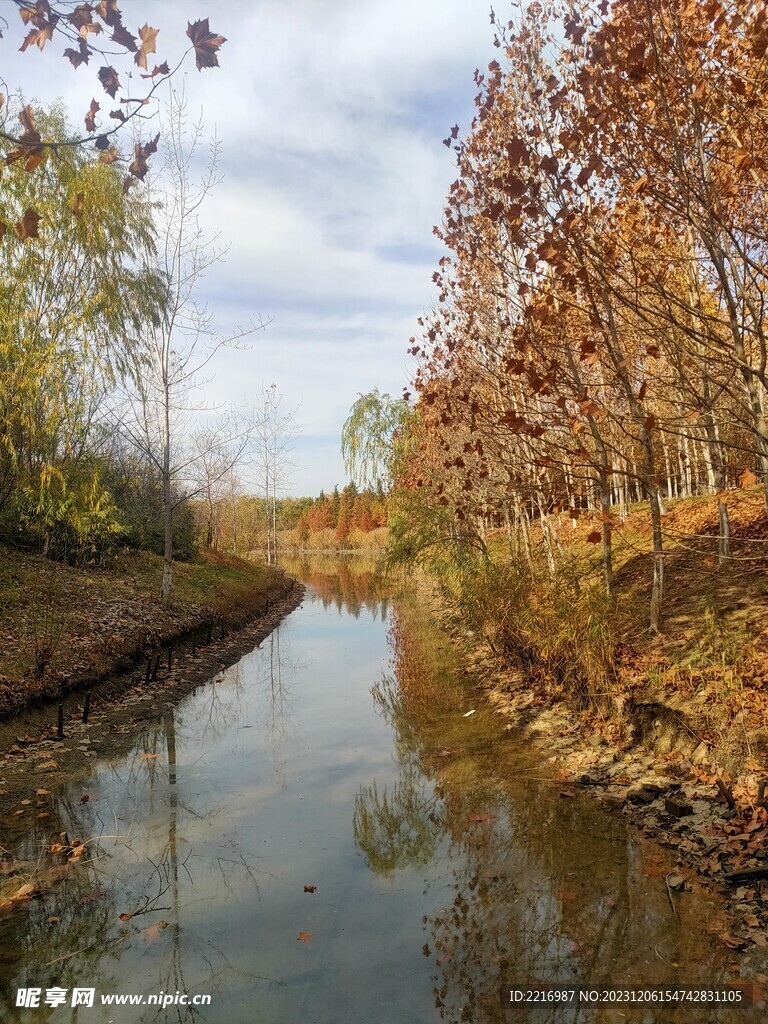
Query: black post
(86, 707)
(170, 657)
(194, 651)
(209, 632)
(155, 668)
(148, 674)
(60, 731)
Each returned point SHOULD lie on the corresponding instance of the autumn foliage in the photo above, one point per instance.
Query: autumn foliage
(600, 335)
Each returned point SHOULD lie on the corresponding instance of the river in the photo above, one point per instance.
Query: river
(323, 833)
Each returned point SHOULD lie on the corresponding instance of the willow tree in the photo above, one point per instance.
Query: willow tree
(368, 435)
(72, 297)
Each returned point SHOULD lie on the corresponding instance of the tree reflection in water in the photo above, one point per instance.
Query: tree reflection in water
(539, 888)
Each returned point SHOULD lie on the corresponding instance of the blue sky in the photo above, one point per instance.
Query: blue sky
(331, 116)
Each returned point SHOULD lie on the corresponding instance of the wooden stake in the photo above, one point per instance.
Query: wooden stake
(60, 730)
(86, 707)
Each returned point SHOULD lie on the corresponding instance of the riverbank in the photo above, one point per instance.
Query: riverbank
(66, 628)
(33, 760)
(667, 798)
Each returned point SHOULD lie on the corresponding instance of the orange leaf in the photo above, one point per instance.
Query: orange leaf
(304, 937)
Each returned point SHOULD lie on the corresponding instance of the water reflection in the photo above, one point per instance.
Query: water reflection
(543, 887)
(338, 756)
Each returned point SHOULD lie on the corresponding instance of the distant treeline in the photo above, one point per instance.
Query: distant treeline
(346, 517)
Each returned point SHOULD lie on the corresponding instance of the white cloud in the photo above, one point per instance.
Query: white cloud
(330, 115)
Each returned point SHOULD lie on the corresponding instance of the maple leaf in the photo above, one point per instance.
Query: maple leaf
(90, 117)
(742, 161)
(109, 80)
(124, 38)
(159, 69)
(639, 186)
(304, 937)
(310, 888)
(38, 36)
(747, 478)
(79, 56)
(205, 44)
(148, 37)
(27, 226)
(108, 11)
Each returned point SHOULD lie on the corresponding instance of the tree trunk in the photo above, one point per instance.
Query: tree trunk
(165, 593)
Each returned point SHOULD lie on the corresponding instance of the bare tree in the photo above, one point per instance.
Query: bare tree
(164, 411)
(273, 433)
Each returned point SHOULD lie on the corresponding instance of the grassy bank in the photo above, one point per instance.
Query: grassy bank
(698, 685)
(63, 627)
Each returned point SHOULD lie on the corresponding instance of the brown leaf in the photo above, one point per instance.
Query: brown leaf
(205, 43)
(304, 937)
(742, 161)
(90, 117)
(747, 478)
(84, 798)
(751, 921)
(38, 36)
(640, 185)
(27, 226)
(123, 37)
(126, 917)
(148, 37)
(595, 537)
(732, 941)
(79, 56)
(310, 888)
(146, 757)
(108, 11)
(109, 80)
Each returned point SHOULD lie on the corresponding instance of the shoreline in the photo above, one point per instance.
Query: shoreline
(31, 758)
(672, 798)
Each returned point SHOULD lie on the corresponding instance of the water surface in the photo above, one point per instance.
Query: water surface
(338, 756)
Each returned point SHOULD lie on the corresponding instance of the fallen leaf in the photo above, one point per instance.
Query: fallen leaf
(304, 937)
(126, 917)
(481, 817)
(310, 888)
(732, 941)
(146, 757)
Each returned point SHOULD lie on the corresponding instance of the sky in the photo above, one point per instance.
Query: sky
(330, 116)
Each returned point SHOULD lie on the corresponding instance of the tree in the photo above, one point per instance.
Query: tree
(367, 436)
(273, 447)
(178, 348)
(71, 305)
(79, 27)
